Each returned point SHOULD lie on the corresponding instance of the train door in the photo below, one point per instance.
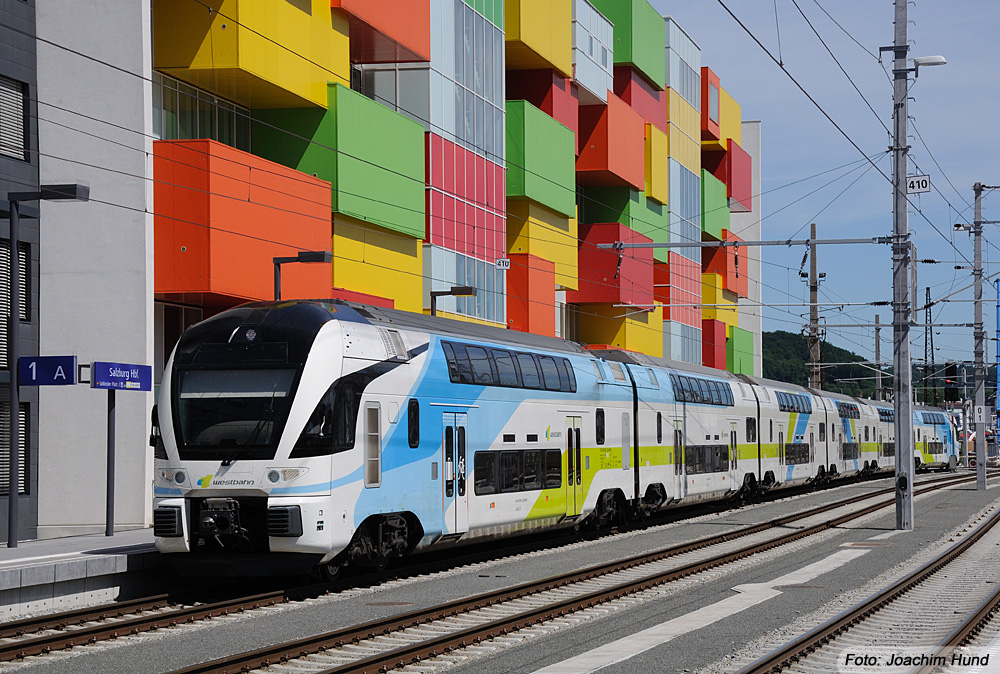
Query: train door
(456, 461)
(734, 454)
(680, 484)
(781, 445)
(574, 467)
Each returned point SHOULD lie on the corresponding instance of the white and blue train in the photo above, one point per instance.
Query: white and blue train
(294, 435)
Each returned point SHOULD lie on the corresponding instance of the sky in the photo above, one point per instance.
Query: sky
(953, 107)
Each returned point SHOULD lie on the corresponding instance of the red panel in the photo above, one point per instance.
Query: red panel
(223, 214)
(450, 223)
(713, 344)
(365, 298)
(598, 284)
(435, 217)
(682, 290)
(612, 145)
(651, 103)
(546, 90)
(531, 295)
(388, 31)
(709, 128)
(740, 183)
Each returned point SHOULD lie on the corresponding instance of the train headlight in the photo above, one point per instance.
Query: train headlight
(173, 476)
(283, 475)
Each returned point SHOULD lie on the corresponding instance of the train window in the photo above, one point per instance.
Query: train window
(532, 469)
(550, 373)
(652, 377)
(508, 437)
(529, 370)
(728, 390)
(506, 370)
(597, 370)
(553, 468)
(482, 371)
(616, 371)
(373, 446)
(449, 354)
(464, 366)
(771, 422)
(413, 423)
(599, 430)
(569, 377)
(317, 435)
(510, 471)
(532, 437)
(822, 432)
(347, 399)
(751, 429)
(485, 474)
(659, 428)
(716, 388)
(866, 434)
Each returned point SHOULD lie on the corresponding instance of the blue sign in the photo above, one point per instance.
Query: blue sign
(123, 376)
(46, 370)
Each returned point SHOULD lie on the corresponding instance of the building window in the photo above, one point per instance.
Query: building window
(13, 116)
(182, 112)
(22, 477)
(25, 309)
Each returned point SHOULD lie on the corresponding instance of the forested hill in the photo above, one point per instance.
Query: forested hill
(786, 358)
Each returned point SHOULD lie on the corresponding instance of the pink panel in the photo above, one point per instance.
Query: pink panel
(448, 229)
(438, 225)
(481, 180)
(480, 234)
(448, 170)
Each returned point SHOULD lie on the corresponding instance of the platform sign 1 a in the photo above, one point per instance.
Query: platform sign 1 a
(121, 376)
(46, 370)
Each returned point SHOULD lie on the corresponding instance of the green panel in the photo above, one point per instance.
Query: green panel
(541, 159)
(480, 7)
(714, 206)
(640, 37)
(373, 156)
(498, 16)
(739, 351)
(631, 208)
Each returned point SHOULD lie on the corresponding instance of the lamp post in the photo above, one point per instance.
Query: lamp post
(304, 256)
(903, 390)
(458, 291)
(66, 192)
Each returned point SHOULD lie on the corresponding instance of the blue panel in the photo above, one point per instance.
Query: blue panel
(125, 376)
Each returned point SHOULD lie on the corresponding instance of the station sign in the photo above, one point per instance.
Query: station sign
(46, 370)
(121, 376)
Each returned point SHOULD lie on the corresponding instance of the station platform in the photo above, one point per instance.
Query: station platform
(59, 574)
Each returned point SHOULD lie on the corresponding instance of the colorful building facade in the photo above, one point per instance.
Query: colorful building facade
(426, 144)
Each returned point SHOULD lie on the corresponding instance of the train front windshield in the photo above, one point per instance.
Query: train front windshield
(227, 410)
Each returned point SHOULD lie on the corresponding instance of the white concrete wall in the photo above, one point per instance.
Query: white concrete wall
(749, 227)
(96, 258)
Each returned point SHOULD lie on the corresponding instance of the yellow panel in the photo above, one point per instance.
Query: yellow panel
(539, 34)
(685, 150)
(684, 115)
(713, 294)
(730, 118)
(377, 261)
(641, 331)
(258, 53)
(657, 172)
(537, 230)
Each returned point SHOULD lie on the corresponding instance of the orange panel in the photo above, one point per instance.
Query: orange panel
(531, 295)
(730, 263)
(388, 31)
(612, 145)
(222, 215)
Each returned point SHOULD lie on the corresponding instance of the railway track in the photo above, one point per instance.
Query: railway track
(41, 635)
(905, 626)
(417, 636)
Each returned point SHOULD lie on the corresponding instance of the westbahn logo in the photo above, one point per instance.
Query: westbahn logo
(205, 481)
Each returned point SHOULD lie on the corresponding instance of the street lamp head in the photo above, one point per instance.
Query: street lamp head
(463, 290)
(314, 256)
(936, 60)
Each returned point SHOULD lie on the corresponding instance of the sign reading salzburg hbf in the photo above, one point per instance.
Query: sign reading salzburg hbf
(121, 376)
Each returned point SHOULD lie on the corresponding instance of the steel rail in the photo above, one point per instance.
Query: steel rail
(18, 628)
(35, 645)
(815, 639)
(968, 629)
(402, 656)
